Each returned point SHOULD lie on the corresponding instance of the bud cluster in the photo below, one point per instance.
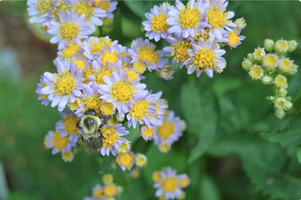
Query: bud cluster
(272, 67)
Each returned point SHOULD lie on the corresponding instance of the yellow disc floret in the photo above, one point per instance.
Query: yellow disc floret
(216, 18)
(61, 6)
(132, 75)
(139, 109)
(111, 138)
(69, 30)
(158, 23)
(86, 8)
(189, 17)
(100, 73)
(105, 5)
(148, 132)
(96, 47)
(70, 50)
(179, 50)
(233, 38)
(184, 182)
(139, 67)
(126, 160)
(107, 108)
(68, 156)
(270, 61)
(148, 54)
(109, 57)
(80, 64)
(204, 59)
(285, 65)
(122, 92)
(256, 72)
(59, 142)
(166, 130)
(70, 124)
(205, 36)
(170, 184)
(92, 102)
(99, 193)
(156, 176)
(110, 190)
(88, 72)
(43, 6)
(65, 83)
(280, 81)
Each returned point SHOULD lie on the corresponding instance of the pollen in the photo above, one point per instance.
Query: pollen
(99, 193)
(70, 50)
(280, 81)
(96, 47)
(110, 190)
(65, 83)
(139, 67)
(233, 38)
(43, 6)
(69, 30)
(139, 109)
(105, 5)
(92, 102)
(179, 51)
(70, 124)
(74, 105)
(166, 130)
(110, 57)
(148, 132)
(122, 92)
(99, 75)
(156, 176)
(158, 23)
(126, 160)
(59, 142)
(107, 108)
(216, 18)
(61, 6)
(86, 8)
(112, 136)
(285, 65)
(270, 61)
(68, 156)
(148, 54)
(88, 72)
(204, 59)
(256, 72)
(131, 75)
(189, 17)
(80, 64)
(184, 182)
(205, 36)
(170, 184)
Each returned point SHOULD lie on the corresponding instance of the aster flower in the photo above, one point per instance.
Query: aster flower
(148, 132)
(98, 192)
(69, 28)
(156, 119)
(39, 10)
(113, 140)
(285, 65)
(125, 160)
(140, 159)
(58, 143)
(108, 6)
(63, 6)
(63, 87)
(270, 61)
(234, 38)
(67, 126)
(70, 51)
(110, 190)
(68, 156)
(256, 72)
(219, 19)
(143, 53)
(186, 20)
(156, 25)
(280, 81)
(166, 73)
(170, 184)
(205, 56)
(120, 91)
(43, 97)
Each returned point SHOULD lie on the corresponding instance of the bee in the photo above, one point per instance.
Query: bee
(91, 125)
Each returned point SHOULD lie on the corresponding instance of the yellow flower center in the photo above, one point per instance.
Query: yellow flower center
(99, 193)
(111, 138)
(170, 184)
(43, 6)
(88, 72)
(256, 72)
(70, 124)
(92, 102)
(122, 92)
(282, 45)
(156, 107)
(59, 142)
(164, 147)
(107, 178)
(96, 47)
(80, 64)
(139, 110)
(69, 30)
(107, 108)
(189, 17)
(156, 176)
(148, 54)
(184, 182)
(258, 53)
(45, 29)
(166, 130)
(44, 96)
(68, 156)
(125, 159)
(110, 190)
(61, 6)
(270, 60)
(148, 132)
(233, 38)
(204, 59)
(205, 36)
(140, 161)
(74, 105)
(105, 5)
(158, 23)
(280, 104)
(84, 8)
(285, 65)
(179, 51)
(280, 81)
(110, 57)
(65, 83)
(70, 50)
(124, 147)
(99, 75)
(131, 75)
(216, 18)
(139, 67)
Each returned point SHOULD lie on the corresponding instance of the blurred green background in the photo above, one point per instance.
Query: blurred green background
(222, 150)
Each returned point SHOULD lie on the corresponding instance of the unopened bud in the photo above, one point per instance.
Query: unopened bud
(282, 92)
(246, 64)
(288, 98)
(280, 113)
(259, 54)
(241, 23)
(293, 71)
(292, 45)
(281, 47)
(270, 98)
(267, 80)
(269, 45)
(251, 57)
(288, 105)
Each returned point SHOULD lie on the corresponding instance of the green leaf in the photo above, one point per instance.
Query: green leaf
(208, 189)
(134, 133)
(117, 25)
(299, 153)
(137, 7)
(297, 102)
(223, 85)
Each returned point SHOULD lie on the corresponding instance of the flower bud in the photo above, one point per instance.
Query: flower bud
(288, 98)
(241, 23)
(294, 70)
(107, 178)
(269, 45)
(246, 64)
(292, 45)
(251, 57)
(267, 80)
(288, 105)
(270, 98)
(282, 92)
(259, 54)
(281, 47)
(280, 113)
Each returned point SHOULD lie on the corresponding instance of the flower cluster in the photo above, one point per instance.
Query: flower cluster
(169, 185)
(196, 31)
(106, 192)
(272, 67)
